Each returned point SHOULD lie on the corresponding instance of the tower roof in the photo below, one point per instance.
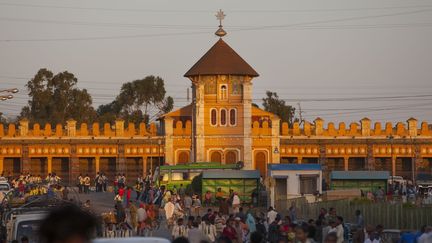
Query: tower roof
(221, 59)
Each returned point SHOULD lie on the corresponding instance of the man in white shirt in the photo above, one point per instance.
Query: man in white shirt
(169, 210)
(209, 230)
(179, 230)
(337, 227)
(271, 215)
(426, 237)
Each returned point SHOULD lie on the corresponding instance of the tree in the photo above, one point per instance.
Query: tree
(139, 101)
(273, 104)
(56, 99)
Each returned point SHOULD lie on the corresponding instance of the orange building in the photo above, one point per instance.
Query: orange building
(220, 125)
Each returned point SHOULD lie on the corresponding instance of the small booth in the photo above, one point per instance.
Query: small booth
(367, 181)
(244, 182)
(294, 180)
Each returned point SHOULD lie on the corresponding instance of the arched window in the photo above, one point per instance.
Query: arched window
(183, 157)
(230, 157)
(233, 117)
(213, 117)
(216, 156)
(223, 92)
(223, 117)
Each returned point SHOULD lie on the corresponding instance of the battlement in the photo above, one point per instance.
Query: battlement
(72, 130)
(361, 129)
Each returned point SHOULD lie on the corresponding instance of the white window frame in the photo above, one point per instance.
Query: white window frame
(217, 116)
(221, 95)
(226, 117)
(236, 116)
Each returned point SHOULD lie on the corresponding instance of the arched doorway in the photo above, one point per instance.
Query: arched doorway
(261, 163)
(216, 156)
(230, 157)
(183, 157)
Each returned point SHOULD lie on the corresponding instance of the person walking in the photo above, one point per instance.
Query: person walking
(236, 203)
(87, 184)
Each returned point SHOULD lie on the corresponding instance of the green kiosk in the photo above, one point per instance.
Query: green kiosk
(244, 182)
(367, 181)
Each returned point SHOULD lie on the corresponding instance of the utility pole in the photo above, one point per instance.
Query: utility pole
(300, 113)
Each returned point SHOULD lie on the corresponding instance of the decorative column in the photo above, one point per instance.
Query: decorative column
(346, 163)
(25, 159)
(199, 135)
(74, 164)
(247, 125)
(121, 160)
(97, 164)
(393, 159)
(1, 165)
(144, 161)
(370, 160)
(49, 164)
(275, 141)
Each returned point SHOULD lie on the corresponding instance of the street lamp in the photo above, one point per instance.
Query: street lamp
(8, 96)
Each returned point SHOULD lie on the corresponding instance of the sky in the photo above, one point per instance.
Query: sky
(340, 60)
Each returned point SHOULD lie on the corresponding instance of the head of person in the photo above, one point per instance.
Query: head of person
(301, 232)
(339, 220)
(180, 239)
(357, 212)
(24, 239)
(332, 223)
(270, 208)
(323, 211)
(379, 228)
(180, 221)
(256, 237)
(68, 224)
(332, 211)
(331, 238)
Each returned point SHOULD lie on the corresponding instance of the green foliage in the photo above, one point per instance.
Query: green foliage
(139, 101)
(277, 106)
(55, 99)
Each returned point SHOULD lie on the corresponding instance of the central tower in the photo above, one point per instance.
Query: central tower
(222, 105)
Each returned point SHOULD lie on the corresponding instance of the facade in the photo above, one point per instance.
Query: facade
(220, 125)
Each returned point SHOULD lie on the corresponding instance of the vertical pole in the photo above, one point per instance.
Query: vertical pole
(346, 165)
(1, 165)
(144, 160)
(49, 161)
(97, 164)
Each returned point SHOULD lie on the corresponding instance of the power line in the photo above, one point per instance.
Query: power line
(268, 27)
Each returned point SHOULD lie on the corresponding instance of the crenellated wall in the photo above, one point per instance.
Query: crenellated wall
(362, 129)
(71, 129)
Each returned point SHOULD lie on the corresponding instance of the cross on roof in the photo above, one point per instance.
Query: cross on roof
(220, 16)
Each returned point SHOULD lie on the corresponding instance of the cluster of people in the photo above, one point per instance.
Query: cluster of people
(28, 178)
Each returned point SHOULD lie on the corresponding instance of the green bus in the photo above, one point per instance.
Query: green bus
(174, 175)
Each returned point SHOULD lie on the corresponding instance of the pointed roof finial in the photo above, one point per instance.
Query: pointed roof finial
(220, 16)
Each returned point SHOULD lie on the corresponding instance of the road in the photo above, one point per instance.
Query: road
(102, 202)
